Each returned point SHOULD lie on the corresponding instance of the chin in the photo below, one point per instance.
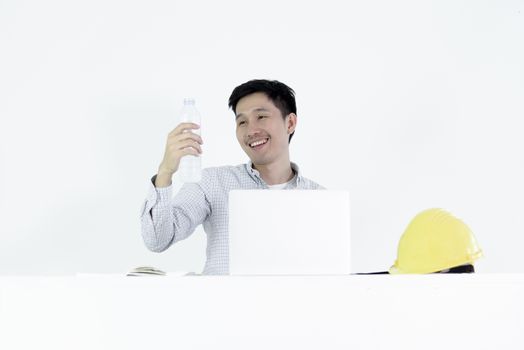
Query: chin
(259, 161)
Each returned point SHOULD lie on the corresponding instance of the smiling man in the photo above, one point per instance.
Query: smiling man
(266, 119)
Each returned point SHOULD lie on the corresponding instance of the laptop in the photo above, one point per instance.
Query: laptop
(289, 232)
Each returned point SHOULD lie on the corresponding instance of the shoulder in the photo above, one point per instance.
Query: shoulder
(308, 184)
(222, 175)
(226, 170)
(303, 182)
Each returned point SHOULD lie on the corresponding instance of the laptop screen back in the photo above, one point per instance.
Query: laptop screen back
(288, 232)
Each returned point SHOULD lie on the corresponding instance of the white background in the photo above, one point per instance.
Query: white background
(408, 104)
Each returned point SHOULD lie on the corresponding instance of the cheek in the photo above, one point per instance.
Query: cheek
(239, 136)
(280, 130)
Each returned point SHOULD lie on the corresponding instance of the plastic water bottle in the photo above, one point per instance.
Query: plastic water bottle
(190, 167)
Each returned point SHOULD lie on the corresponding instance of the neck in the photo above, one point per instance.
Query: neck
(275, 173)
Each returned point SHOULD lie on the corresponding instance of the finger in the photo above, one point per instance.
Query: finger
(186, 136)
(189, 151)
(182, 140)
(183, 127)
(185, 144)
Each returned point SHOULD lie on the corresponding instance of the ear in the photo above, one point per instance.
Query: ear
(291, 122)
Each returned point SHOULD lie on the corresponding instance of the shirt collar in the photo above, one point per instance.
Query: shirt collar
(254, 173)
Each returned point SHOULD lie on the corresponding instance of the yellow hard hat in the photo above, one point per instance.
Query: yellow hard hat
(435, 240)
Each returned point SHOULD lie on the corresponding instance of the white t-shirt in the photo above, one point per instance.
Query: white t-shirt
(280, 186)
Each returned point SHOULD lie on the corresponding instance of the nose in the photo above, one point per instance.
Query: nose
(252, 131)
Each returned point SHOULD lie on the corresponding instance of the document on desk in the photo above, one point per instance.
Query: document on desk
(146, 271)
(141, 271)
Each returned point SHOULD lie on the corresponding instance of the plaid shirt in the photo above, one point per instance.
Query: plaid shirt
(167, 219)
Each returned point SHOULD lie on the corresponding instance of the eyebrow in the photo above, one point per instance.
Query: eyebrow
(259, 109)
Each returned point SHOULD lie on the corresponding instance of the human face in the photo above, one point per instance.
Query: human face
(262, 131)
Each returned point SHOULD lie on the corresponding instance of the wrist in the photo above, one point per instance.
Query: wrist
(163, 178)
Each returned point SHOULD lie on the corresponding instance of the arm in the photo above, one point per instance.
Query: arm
(167, 220)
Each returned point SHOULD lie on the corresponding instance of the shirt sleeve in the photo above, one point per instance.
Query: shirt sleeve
(166, 220)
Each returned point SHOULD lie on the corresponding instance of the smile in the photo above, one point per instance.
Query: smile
(258, 143)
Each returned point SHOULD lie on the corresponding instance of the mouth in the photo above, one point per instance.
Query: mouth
(258, 143)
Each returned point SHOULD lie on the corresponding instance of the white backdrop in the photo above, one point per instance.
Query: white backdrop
(408, 104)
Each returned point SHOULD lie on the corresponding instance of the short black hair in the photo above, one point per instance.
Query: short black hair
(282, 96)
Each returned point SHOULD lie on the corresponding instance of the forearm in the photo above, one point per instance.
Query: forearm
(166, 220)
(158, 230)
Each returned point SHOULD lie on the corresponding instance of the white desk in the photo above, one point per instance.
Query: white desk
(352, 312)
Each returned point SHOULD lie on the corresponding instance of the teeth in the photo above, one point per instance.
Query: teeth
(257, 143)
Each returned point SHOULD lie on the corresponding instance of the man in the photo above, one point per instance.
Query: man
(266, 119)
